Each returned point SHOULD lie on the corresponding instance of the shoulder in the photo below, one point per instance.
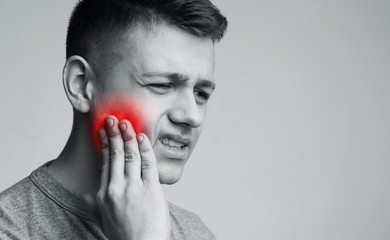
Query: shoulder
(15, 195)
(181, 213)
(13, 206)
(188, 224)
(21, 196)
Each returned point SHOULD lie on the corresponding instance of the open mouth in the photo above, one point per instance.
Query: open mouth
(173, 147)
(172, 143)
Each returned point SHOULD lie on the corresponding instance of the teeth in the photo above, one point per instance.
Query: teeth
(172, 143)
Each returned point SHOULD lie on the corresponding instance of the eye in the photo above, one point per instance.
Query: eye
(159, 85)
(159, 88)
(201, 96)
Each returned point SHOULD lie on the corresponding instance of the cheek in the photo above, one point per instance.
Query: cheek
(121, 108)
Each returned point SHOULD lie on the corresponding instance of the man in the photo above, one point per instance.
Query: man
(138, 75)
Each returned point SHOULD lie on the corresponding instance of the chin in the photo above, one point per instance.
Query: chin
(169, 180)
(170, 173)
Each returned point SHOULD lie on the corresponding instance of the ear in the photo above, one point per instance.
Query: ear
(77, 78)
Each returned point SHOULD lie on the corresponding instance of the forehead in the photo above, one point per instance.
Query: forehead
(163, 48)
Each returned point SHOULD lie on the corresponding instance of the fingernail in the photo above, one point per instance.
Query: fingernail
(140, 138)
(123, 126)
(110, 122)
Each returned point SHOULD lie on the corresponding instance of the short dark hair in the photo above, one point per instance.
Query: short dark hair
(95, 25)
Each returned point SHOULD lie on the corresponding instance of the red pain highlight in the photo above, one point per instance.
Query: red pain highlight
(120, 108)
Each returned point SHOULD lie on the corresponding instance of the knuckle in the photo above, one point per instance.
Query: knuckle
(131, 157)
(103, 144)
(147, 164)
(146, 151)
(115, 153)
(113, 133)
(113, 192)
(100, 196)
(128, 137)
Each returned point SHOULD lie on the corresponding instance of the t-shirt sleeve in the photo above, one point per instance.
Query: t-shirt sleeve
(12, 212)
(9, 229)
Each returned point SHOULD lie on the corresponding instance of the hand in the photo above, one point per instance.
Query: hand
(130, 199)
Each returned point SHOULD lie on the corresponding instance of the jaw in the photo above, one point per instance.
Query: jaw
(170, 170)
(171, 167)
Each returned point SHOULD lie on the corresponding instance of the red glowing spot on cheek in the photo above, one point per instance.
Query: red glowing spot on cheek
(120, 108)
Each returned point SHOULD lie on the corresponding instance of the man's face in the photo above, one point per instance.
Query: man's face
(163, 79)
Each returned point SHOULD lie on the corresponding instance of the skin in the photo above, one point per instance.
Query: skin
(169, 73)
(172, 105)
(130, 198)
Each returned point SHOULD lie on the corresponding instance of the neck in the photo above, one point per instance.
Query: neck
(78, 166)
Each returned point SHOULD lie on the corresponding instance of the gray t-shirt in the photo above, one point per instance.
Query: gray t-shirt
(40, 207)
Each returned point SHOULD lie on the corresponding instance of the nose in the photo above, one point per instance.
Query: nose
(185, 111)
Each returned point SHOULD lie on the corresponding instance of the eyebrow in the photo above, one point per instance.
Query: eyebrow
(206, 83)
(179, 77)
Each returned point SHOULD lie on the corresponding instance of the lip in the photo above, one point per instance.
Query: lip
(180, 153)
(176, 138)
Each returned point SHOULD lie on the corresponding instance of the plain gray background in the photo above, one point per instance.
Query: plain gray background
(296, 142)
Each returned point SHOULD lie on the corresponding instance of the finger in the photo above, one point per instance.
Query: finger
(132, 156)
(116, 155)
(103, 140)
(149, 170)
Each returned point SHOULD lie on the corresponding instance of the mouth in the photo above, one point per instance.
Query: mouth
(172, 146)
(168, 142)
